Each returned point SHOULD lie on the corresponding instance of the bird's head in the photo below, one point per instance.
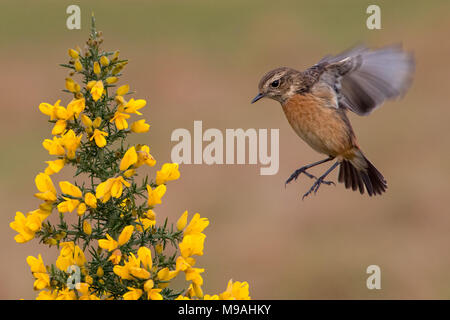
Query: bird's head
(278, 84)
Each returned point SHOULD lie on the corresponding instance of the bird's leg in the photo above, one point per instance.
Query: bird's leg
(304, 168)
(320, 180)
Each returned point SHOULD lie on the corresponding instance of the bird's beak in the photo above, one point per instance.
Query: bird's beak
(258, 96)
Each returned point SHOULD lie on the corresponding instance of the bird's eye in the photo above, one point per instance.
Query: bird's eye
(275, 83)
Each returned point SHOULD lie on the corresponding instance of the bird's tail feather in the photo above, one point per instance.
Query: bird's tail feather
(367, 178)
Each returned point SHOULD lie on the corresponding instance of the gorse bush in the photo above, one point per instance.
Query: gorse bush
(116, 248)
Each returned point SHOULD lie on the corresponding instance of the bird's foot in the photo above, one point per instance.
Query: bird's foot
(316, 186)
(297, 173)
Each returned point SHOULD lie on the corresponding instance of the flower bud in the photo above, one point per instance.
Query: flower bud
(104, 61)
(97, 122)
(111, 80)
(97, 69)
(181, 223)
(87, 227)
(73, 54)
(100, 272)
(77, 65)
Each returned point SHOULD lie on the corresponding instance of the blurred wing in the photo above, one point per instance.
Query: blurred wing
(364, 79)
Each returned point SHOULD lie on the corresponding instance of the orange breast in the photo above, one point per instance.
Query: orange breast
(318, 123)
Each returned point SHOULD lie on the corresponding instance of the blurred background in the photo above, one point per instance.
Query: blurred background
(202, 60)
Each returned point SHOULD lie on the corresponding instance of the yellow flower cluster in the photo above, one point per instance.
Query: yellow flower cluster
(127, 258)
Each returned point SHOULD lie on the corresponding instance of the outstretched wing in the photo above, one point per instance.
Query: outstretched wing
(363, 79)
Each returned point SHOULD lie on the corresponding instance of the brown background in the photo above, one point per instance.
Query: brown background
(202, 60)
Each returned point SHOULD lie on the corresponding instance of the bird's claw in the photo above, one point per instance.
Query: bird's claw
(297, 172)
(315, 187)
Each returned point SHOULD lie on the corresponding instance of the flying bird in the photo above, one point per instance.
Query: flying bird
(316, 102)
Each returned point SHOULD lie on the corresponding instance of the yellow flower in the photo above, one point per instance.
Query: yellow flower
(25, 226)
(117, 186)
(60, 127)
(168, 172)
(134, 105)
(131, 268)
(119, 67)
(83, 289)
(104, 61)
(36, 264)
(125, 235)
(97, 69)
(54, 166)
(192, 244)
(100, 273)
(79, 257)
(42, 281)
(129, 173)
(70, 254)
(90, 200)
(155, 195)
(145, 222)
(103, 190)
(72, 85)
(97, 122)
(235, 291)
(45, 185)
(91, 84)
(123, 272)
(197, 290)
(66, 294)
(71, 142)
(122, 90)
(77, 65)
(87, 227)
(28, 225)
(139, 273)
(120, 102)
(39, 272)
(111, 80)
(76, 106)
(81, 209)
(140, 126)
(182, 264)
(73, 53)
(97, 90)
(166, 275)
(145, 255)
(181, 223)
(133, 294)
(48, 109)
(86, 120)
(196, 225)
(54, 147)
(69, 205)
(63, 113)
(108, 244)
(120, 120)
(152, 294)
(99, 137)
(70, 189)
(193, 274)
(144, 156)
(47, 295)
(115, 256)
(130, 157)
(87, 123)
